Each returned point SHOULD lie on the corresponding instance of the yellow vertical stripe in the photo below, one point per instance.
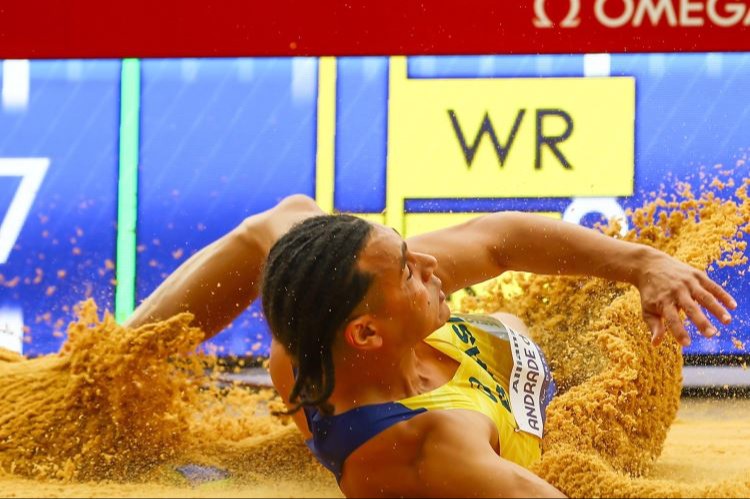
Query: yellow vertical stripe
(394, 204)
(326, 139)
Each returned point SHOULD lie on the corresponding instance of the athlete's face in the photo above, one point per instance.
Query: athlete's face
(406, 297)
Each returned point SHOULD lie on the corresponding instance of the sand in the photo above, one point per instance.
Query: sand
(117, 410)
(710, 438)
(621, 395)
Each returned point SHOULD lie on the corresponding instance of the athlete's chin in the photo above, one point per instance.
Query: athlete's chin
(444, 313)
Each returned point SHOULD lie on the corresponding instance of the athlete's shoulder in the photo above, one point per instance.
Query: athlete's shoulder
(390, 463)
(385, 462)
(405, 441)
(282, 377)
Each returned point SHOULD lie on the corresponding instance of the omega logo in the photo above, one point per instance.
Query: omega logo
(571, 20)
(635, 13)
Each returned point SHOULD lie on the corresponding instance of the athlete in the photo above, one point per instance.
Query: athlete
(394, 395)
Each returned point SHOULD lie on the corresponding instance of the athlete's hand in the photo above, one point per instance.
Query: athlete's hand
(668, 286)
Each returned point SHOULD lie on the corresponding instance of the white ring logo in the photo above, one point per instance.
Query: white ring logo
(571, 20)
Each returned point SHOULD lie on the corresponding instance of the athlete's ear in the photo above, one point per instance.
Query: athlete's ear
(362, 333)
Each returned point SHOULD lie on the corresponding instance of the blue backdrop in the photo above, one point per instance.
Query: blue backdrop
(66, 248)
(222, 139)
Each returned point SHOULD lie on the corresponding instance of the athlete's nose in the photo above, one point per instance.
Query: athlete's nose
(428, 264)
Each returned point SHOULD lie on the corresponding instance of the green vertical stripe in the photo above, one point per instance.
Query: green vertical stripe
(127, 201)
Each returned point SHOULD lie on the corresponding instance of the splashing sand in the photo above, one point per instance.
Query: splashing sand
(121, 405)
(124, 407)
(621, 395)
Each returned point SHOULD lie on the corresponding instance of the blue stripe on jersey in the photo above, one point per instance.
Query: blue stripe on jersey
(336, 437)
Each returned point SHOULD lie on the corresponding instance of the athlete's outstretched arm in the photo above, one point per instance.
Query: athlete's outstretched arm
(221, 280)
(489, 245)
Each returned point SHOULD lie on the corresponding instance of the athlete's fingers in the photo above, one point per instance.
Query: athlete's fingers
(717, 291)
(696, 315)
(674, 323)
(710, 303)
(656, 326)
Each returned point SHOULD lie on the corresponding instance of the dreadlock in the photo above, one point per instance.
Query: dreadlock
(311, 285)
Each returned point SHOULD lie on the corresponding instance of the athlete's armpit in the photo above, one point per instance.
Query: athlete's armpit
(467, 253)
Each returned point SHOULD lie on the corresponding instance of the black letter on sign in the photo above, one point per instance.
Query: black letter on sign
(552, 141)
(470, 151)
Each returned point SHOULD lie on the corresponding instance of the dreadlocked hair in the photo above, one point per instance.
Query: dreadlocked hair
(311, 285)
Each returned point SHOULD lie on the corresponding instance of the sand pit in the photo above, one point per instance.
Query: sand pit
(709, 440)
(117, 410)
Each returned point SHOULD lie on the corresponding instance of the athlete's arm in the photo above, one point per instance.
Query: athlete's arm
(222, 279)
(489, 245)
(282, 376)
(458, 463)
(439, 455)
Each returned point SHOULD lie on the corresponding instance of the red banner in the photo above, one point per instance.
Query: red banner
(173, 28)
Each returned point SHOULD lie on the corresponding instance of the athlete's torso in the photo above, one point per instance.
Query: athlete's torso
(501, 374)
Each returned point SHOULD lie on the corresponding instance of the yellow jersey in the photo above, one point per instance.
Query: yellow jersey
(502, 374)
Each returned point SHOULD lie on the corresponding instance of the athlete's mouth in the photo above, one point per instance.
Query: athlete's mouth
(439, 284)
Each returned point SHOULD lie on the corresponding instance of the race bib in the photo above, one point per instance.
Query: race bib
(529, 384)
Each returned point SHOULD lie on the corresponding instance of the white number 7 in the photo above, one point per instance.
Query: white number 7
(32, 172)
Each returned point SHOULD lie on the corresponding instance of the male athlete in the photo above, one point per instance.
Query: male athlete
(396, 396)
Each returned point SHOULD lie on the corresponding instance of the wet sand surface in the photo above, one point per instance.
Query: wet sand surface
(709, 440)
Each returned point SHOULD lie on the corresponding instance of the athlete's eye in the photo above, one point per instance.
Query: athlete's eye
(410, 272)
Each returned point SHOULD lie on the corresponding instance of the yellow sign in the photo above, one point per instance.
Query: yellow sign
(507, 138)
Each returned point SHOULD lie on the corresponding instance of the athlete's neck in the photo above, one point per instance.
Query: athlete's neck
(368, 378)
